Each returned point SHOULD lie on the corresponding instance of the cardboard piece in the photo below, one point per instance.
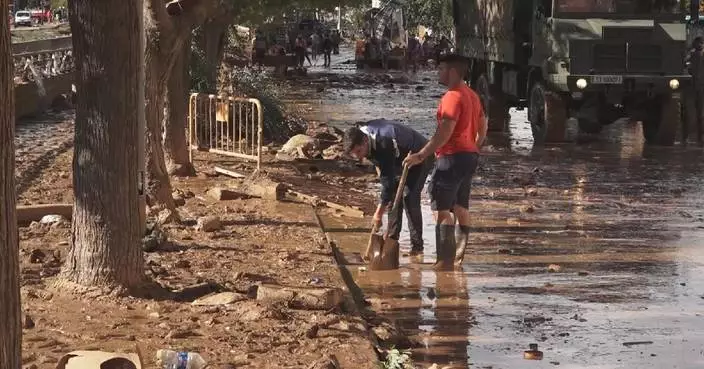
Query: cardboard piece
(99, 360)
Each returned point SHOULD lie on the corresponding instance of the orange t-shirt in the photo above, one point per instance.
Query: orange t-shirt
(462, 105)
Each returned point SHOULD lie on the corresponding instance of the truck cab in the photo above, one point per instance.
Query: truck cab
(594, 60)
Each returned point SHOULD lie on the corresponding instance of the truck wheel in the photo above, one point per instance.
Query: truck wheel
(494, 104)
(660, 127)
(547, 114)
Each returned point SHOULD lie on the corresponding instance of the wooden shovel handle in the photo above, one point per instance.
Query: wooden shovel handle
(401, 185)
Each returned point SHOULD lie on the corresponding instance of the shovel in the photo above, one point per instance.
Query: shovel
(385, 254)
(376, 241)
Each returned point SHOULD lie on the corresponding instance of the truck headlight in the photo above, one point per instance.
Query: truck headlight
(674, 84)
(581, 83)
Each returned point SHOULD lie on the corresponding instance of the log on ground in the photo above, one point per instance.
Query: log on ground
(301, 297)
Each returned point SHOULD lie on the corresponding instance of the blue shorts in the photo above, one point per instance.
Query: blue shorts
(451, 182)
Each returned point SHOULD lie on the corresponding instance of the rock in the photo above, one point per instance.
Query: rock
(209, 224)
(388, 334)
(27, 322)
(248, 311)
(179, 199)
(182, 264)
(51, 219)
(420, 88)
(299, 146)
(154, 315)
(154, 238)
(37, 256)
(179, 334)
(224, 298)
(326, 362)
(167, 216)
(33, 366)
(529, 209)
(47, 360)
(36, 226)
(222, 194)
(554, 268)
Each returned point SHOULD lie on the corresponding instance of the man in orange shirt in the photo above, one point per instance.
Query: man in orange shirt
(461, 131)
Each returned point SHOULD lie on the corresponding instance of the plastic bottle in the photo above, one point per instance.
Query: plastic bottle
(169, 359)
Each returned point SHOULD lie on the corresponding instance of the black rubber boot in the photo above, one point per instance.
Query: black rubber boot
(445, 244)
(462, 237)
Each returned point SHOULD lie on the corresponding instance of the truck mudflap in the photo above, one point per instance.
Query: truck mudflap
(628, 83)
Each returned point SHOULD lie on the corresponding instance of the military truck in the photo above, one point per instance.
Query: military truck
(593, 60)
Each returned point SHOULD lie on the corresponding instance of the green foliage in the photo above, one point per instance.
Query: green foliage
(197, 68)
(59, 4)
(435, 14)
(396, 359)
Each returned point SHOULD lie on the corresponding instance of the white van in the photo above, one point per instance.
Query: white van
(23, 18)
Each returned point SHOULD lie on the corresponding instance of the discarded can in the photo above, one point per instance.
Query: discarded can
(533, 353)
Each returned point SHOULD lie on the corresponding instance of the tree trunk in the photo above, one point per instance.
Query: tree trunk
(11, 337)
(213, 40)
(105, 249)
(162, 43)
(176, 110)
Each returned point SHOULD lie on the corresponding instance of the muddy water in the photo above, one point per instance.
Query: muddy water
(592, 249)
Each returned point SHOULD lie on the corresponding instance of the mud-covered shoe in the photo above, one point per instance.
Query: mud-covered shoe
(445, 245)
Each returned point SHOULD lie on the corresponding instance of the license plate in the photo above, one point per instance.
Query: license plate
(607, 80)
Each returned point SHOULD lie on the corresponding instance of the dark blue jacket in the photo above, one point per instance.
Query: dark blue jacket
(389, 143)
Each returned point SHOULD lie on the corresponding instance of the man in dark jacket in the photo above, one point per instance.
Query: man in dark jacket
(386, 143)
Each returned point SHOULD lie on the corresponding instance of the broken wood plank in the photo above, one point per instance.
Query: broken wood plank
(301, 297)
(229, 173)
(34, 213)
(352, 211)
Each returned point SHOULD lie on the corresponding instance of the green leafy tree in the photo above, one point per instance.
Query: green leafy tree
(434, 14)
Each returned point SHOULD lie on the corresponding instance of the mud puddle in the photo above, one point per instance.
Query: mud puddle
(591, 249)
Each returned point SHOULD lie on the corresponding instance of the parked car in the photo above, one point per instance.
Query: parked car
(23, 18)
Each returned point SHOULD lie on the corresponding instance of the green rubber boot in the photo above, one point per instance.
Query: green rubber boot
(462, 237)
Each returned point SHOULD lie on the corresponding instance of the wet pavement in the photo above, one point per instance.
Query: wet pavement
(592, 249)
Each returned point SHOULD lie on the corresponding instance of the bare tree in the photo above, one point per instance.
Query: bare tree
(11, 337)
(105, 249)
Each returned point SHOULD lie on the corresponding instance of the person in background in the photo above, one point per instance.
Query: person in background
(386, 143)
(413, 52)
(327, 47)
(336, 39)
(695, 63)
(385, 49)
(316, 42)
(300, 50)
(460, 132)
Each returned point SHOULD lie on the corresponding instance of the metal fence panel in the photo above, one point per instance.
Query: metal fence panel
(231, 126)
